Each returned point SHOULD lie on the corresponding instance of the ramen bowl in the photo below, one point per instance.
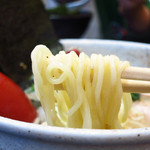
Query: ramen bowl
(20, 135)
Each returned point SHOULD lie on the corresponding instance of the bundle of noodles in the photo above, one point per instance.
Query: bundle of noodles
(80, 92)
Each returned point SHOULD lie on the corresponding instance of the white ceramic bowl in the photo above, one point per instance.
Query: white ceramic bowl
(16, 135)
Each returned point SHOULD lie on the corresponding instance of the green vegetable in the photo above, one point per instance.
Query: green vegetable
(30, 89)
(135, 96)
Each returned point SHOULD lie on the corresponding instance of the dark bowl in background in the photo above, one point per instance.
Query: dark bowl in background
(71, 26)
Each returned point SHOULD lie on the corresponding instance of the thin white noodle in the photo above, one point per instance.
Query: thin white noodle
(80, 92)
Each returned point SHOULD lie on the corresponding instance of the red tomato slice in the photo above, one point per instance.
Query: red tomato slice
(75, 50)
(14, 103)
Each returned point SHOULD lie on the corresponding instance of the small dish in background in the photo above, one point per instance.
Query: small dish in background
(71, 26)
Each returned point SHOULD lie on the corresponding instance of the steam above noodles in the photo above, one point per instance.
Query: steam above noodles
(80, 92)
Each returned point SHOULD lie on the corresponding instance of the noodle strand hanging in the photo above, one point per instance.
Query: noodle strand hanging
(80, 92)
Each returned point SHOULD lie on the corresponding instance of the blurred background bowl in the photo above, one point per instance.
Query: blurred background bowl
(71, 26)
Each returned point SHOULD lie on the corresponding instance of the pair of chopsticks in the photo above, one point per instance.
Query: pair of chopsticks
(133, 79)
(136, 80)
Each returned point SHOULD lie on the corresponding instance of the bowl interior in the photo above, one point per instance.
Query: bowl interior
(138, 54)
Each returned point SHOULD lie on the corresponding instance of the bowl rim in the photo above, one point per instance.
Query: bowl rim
(77, 136)
(72, 135)
(104, 41)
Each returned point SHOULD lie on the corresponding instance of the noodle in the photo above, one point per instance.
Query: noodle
(80, 92)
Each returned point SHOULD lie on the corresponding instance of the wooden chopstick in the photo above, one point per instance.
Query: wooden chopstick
(133, 79)
(136, 73)
(137, 80)
(135, 86)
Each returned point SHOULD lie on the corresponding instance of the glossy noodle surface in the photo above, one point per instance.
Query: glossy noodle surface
(80, 92)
